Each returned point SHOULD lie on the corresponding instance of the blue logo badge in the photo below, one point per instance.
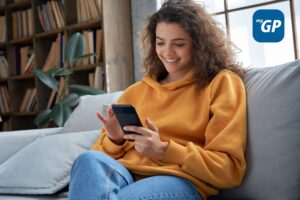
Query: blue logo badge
(268, 25)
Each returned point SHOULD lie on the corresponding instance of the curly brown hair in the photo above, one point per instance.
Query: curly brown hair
(212, 51)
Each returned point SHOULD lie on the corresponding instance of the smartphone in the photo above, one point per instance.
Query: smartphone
(126, 115)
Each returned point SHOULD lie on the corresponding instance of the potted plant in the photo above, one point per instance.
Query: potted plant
(69, 98)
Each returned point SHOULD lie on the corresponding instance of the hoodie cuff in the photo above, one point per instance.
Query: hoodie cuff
(175, 153)
(112, 148)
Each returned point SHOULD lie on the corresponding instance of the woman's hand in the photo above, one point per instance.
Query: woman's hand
(112, 126)
(148, 143)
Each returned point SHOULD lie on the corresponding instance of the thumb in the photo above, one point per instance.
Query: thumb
(151, 125)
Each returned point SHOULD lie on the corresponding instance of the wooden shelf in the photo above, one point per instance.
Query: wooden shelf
(24, 114)
(22, 41)
(87, 67)
(3, 80)
(85, 25)
(40, 43)
(22, 77)
(19, 4)
(2, 45)
(5, 115)
(51, 33)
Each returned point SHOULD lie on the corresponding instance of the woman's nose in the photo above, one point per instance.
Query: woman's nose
(169, 51)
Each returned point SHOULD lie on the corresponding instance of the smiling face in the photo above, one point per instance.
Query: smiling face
(174, 49)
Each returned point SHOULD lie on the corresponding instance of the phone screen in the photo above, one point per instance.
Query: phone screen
(126, 115)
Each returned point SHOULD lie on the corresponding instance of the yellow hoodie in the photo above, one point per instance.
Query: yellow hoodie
(205, 130)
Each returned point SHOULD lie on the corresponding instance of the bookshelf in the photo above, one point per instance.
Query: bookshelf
(34, 35)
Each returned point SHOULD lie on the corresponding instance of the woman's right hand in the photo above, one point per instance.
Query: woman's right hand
(112, 126)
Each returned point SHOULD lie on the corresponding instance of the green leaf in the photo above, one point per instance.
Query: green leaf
(46, 78)
(85, 90)
(43, 117)
(71, 100)
(74, 48)
(59, 72)
(60, 113)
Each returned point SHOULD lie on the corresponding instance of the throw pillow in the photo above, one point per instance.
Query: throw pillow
(84, 118)
(13, 141)
(43, 166)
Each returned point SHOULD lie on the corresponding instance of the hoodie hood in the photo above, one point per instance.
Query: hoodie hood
(187, 79)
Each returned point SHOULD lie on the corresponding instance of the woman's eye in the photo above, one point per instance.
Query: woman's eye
(179, 45)
(159, 43)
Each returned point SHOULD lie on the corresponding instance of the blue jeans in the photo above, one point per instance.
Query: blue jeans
(96, 176)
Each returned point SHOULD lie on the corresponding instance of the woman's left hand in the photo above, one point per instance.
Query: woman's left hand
(148, 143)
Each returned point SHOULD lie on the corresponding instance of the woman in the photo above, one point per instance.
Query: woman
(193, 107)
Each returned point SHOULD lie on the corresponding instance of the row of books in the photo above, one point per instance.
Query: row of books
(29, 101)
(51, 15)
(4, 99)
(97, 79)
(93, 44)
(88, 10)
(3, 67)
(25, 59)
(22, 23)
(3, 35)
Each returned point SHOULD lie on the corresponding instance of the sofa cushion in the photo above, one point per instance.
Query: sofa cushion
(43, 166)
(272, 154)
(83, 117)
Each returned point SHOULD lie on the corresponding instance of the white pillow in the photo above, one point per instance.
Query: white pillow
(43, 166)
(13, 141)
(84, 118)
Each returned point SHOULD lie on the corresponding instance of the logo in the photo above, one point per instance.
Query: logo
(268, 25)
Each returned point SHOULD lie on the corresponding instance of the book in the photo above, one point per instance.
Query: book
(53, 58)
(30, 101)
(87, 46)
(41, 17)
(99, 45)
(30, 64)
(91, 46)
(24, 51)
(59, 13)
(91, 79)
(15, 24)
(99, 7)
(51, 16)
(99, 80)
(30, 22)
(60, 89)
(51, 99)
(25, 99)
(24, 22)
(3, 67)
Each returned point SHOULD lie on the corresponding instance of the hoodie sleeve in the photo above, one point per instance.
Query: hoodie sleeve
(220, 161)
(105, 145)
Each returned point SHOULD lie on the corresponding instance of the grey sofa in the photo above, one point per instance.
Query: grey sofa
(35, 164)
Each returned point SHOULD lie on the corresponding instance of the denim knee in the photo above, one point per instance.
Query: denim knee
(89, 156)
